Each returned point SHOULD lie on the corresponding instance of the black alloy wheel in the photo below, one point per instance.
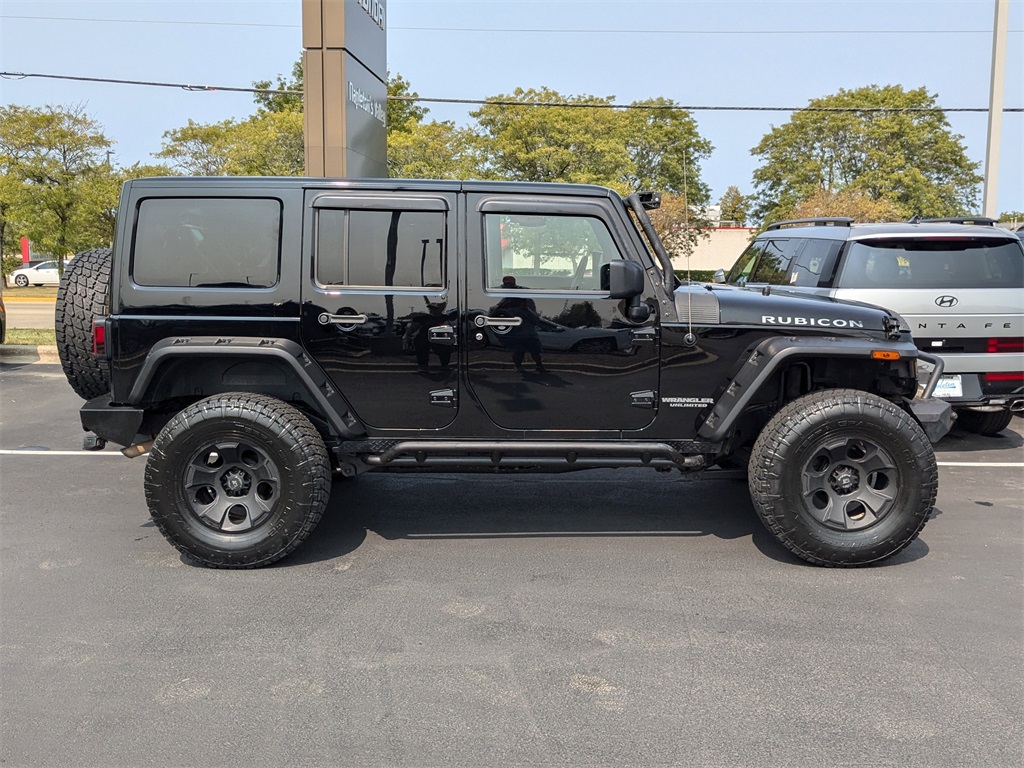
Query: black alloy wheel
(238, 480)
(843, 478)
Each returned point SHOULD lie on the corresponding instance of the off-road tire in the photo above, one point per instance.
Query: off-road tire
(84, 293)
(984, 422)
(843, 478)
(238, 480)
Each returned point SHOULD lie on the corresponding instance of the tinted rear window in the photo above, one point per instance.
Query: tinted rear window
(938, 263)
(207, 242)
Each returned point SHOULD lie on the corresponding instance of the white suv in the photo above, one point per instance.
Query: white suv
(957, 283)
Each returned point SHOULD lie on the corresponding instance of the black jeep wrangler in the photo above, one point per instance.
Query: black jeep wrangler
(258, 336)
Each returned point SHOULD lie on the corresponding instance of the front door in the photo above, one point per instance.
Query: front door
(547, 349)
(380, 306)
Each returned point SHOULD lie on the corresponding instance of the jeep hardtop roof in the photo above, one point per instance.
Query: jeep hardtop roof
(411, 185)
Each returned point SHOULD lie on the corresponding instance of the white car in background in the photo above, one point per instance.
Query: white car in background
(958, 284)
(41, 274)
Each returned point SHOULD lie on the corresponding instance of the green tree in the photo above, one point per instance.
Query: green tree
(855, 203)
(402, 114)
(280, 101)
(17, 144)
(55, 154)
(543, 143)
(734, 206)
(910, 158)
(58, 187)
(432, 150)
(680, 226)
(197, 149)
(665, 150)
(269, 144)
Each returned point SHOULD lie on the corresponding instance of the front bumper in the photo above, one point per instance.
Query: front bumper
(935, 416)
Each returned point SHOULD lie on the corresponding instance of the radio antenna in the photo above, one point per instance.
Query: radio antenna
(689, 339)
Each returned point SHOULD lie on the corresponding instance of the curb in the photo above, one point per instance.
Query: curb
(28, 353)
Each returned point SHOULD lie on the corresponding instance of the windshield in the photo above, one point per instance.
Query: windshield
(936, 263)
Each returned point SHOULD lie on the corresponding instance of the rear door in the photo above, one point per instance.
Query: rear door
(380, 303)
(547, 348)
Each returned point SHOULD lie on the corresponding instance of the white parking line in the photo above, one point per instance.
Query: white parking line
(980, 463)
(16, 452)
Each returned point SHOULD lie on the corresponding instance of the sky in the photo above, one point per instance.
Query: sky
(746, 53)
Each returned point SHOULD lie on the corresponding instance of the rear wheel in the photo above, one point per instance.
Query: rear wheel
(238, 480)
(83, 294)
(843, 478)
(984, 422)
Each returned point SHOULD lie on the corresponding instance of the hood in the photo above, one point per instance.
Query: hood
(782, 310)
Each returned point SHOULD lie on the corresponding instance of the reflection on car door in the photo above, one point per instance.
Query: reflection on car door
(380, 305)
(547, 348)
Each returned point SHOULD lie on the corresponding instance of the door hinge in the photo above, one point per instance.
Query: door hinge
(648, 398)
(645, 334)
(444, 398)
(442, 334)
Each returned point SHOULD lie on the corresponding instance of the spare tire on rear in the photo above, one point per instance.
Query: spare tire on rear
(84, 293)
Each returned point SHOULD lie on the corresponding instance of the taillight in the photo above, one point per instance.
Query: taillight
(99, 338)
(1004, 376)
(1012, 344)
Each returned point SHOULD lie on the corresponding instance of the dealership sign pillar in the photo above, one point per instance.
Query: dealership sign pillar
(345, 87)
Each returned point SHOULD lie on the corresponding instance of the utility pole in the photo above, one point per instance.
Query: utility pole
(990, 206)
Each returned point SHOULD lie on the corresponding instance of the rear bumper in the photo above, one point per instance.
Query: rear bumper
(114, 423)
(974, 376)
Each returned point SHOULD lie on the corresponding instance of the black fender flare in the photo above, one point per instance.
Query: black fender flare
(770, 354)
(328, 400)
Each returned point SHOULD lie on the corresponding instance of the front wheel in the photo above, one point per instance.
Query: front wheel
(238, 480)
(843, 478)
(21, 281)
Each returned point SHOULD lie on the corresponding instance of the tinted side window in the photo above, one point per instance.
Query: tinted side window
(773, 265)
(547, 252)
(741, 270)
(196, 242)
(936, 263)
(815, 263)
(380, 248)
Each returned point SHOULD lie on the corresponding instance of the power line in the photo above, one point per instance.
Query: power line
(506, 102)
(183, 86)
(536, 31)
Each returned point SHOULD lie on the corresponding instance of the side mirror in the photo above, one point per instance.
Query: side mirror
(622, 279)
(719, 276)
(625, 280)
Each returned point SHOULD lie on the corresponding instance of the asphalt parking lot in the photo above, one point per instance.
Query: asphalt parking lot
(619, 618)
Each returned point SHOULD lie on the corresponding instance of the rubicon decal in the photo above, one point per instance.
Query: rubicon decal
(820, 322)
